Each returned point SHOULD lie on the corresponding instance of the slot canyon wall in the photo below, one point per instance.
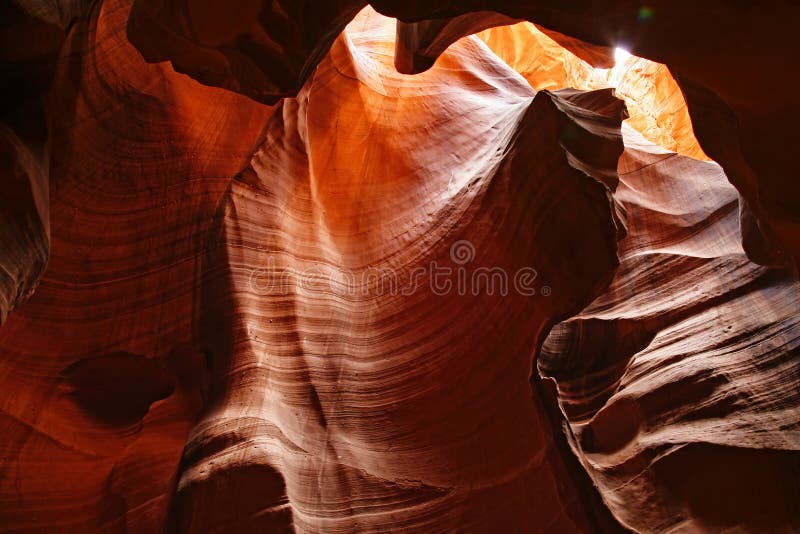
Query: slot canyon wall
(406, 266)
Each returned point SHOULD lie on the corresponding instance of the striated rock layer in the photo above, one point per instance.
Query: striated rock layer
(336, 312)
(728, 59)
(28, 51)
(656, 107)
(679, 382)
(140, 157)
(365, 402)
(350, 368)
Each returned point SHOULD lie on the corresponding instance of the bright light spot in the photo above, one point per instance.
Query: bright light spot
(620, 55)
(614, 75)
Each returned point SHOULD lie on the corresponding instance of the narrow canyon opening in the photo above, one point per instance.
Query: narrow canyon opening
(416, 267)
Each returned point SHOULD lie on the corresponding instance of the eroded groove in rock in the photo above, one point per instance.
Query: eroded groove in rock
(687, 363)
(382, 399)
(140, 158)
(704, 48)
(705, 51)
(28, 51)
(132, 286)
(656, 107)
(24, 222)
(325, 315)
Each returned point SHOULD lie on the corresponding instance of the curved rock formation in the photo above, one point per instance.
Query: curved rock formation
(656, 107)
(706, 50)
(28, 51)
(325, 296)
(363, 361)
(678, 381)
(267, 51)
(139, 159)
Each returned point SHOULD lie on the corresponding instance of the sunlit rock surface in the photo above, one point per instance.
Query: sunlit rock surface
(350, 299)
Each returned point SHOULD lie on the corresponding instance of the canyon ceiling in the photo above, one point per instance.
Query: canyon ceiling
(400, 266)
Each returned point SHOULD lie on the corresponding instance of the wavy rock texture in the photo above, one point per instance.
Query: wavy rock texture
(335, 313)
(679, 381)
(24, 225)
(656, 107)
(365, 391)
(268, 50)
(339, 404)
(140, 158)
(704, 49)
(28, 51)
